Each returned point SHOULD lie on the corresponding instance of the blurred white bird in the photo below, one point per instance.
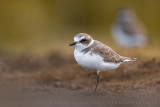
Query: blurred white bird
(127, 30)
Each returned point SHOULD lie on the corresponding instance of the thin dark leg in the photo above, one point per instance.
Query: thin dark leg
(98, 79)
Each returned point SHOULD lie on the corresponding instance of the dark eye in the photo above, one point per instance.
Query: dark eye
(83, 40)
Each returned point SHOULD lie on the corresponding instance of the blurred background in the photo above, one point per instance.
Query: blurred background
(41, 25)
(36, 61)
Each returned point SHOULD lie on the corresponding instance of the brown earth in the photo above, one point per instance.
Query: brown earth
(56, 77)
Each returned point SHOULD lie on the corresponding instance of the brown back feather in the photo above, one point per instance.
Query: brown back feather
(106, 52)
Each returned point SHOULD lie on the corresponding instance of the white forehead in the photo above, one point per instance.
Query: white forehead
(78, 37)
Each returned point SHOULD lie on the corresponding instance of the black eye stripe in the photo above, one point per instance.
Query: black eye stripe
(83, 40)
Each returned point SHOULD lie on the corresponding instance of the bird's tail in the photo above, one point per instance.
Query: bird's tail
(130, 59)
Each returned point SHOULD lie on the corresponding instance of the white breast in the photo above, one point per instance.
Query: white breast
(93, 61)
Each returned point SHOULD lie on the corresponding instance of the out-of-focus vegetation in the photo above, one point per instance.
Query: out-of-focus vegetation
(27, 25)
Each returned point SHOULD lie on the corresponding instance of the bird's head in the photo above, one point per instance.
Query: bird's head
(82, 41)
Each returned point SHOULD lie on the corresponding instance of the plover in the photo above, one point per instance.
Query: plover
(94, 55)
(128, 31)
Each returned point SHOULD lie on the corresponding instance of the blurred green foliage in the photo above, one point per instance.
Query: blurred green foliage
(26, 24)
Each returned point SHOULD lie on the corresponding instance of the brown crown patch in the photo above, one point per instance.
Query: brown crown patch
(87, 38)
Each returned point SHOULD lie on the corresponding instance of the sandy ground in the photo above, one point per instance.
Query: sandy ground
(57, 80)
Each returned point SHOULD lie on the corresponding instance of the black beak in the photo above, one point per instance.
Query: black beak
(74, 43)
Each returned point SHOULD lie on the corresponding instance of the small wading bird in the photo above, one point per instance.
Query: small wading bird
(94, 55)
(128, 31)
